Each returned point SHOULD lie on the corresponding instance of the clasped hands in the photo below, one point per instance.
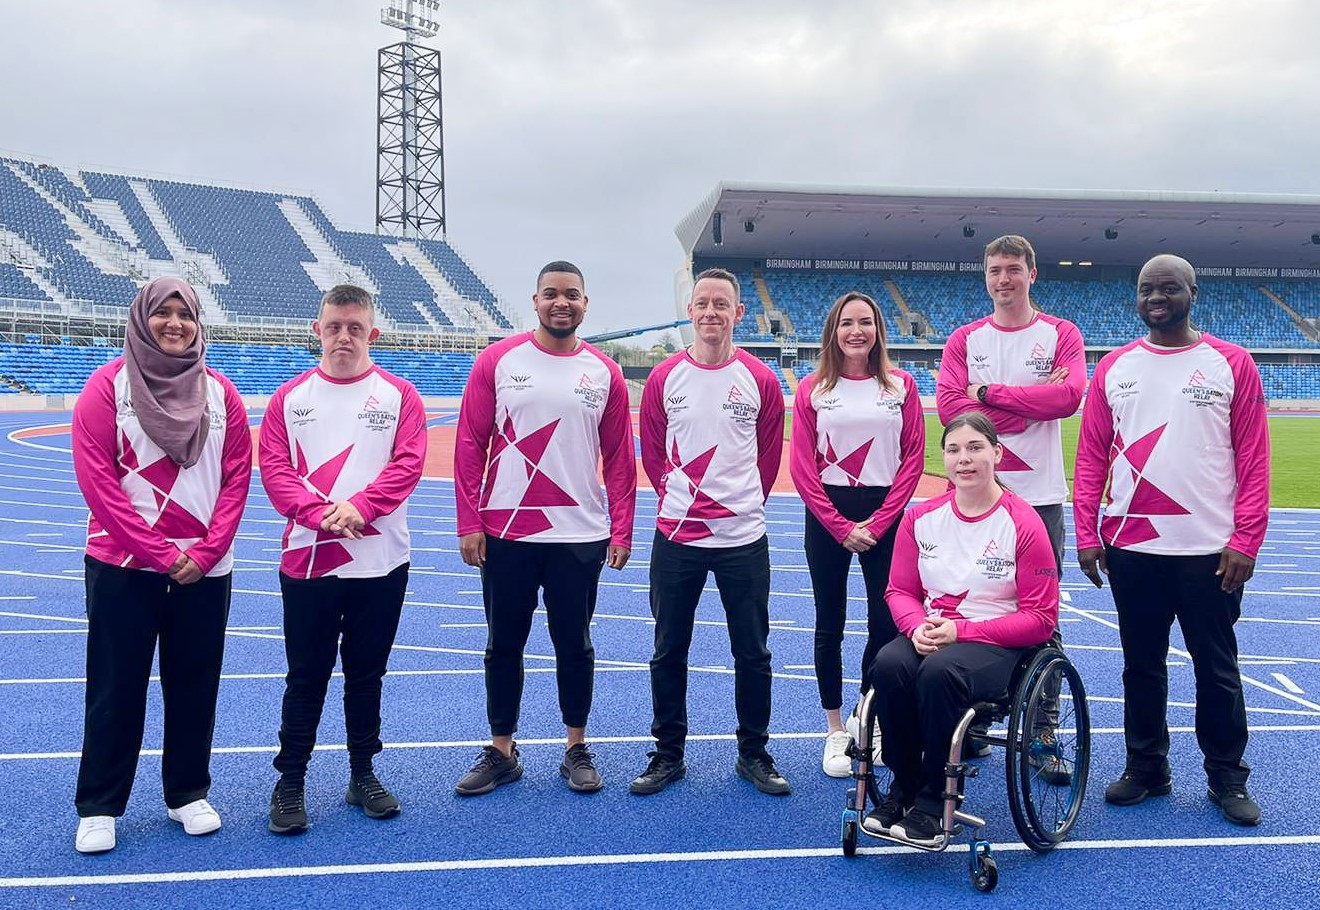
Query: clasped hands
(936, 632)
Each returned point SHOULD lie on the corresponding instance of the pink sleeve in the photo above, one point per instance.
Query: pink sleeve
(653, 424)
(476, 426)
(400, 477)
(1037, 578)
(906, 595)
(1249, 431)
(911, 461)
(951, 389)
(285, 489)
(1048, 401)
(1092, 467)
(235, 477)
(769, 430)
(619, 464)
(95, 451)
(804, 467)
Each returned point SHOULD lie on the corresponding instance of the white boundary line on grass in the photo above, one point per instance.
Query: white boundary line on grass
(615, 859)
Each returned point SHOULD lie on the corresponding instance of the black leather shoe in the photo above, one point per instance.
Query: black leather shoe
(760, 770)
(662, 771)
(1132, 788)
(1236, 803)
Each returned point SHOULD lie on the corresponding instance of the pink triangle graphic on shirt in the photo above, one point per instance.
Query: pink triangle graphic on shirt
(1149, 499)
(176, 522)
(682, 530)
(1121, 531)
(830, 457)
(533, 446)
(489, 485)
(948, 603)
(703, 506)
(1139, 452)
(542, 491)
(852, 463)
(299, 459)
(129, 457)
(161, 474)
(697, 467)
(512, 524)
(1011, 462)
(324, 477)
(160, 498)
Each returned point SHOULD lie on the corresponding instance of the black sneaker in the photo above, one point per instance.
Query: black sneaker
(919, 828)
(661, 771)
(891, 810)
(579, 769)
(1044, 756)
(1133, 787)
(1236, 804)
(493, 768)
(760, 770)
(288, 813)
(366, 791)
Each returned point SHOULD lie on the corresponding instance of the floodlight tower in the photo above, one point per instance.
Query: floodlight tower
(410, 158)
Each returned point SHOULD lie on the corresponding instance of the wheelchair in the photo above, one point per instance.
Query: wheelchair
(1047, 757)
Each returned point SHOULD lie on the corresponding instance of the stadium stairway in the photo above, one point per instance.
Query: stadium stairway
(1302, 325)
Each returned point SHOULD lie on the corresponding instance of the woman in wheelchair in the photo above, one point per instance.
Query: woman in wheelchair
(973, 585)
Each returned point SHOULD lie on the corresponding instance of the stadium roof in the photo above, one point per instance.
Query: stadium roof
(955, 223)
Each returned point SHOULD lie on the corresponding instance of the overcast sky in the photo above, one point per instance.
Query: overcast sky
(585, 129)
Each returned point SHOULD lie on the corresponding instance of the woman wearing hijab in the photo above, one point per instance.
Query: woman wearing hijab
(163, 456)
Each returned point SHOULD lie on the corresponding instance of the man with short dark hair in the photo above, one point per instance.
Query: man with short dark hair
(342, 448)
(1175, 427)
(1024, 370)
(712, 427)
(539, 412)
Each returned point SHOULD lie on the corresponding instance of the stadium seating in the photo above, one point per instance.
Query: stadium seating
(807, 297)
(260, 266)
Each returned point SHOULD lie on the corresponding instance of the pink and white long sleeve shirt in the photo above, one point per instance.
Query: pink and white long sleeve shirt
(993, 575)
(1014, 363)
(326, 440)
(535, 424)
(858, 434)
(712, 439)
(145, 509)
(1179, 436)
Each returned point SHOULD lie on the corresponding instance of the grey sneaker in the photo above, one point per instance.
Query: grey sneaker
(366, 791)
(761, 771)
(492, 769)
(580, 771)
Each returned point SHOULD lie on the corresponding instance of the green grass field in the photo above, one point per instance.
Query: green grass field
(1292, 483)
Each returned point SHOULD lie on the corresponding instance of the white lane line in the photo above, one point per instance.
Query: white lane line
(476, 671)
(1288, 684)
(559, 742)
(613, 859)
(1246, 680)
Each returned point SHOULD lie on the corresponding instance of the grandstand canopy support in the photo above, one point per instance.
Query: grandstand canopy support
(410, 161)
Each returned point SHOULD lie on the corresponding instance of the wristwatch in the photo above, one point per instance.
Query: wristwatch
(980, 393)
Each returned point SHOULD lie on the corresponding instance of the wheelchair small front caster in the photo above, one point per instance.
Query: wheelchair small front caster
(986, 874)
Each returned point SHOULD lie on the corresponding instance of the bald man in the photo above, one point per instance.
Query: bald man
(1175, 425)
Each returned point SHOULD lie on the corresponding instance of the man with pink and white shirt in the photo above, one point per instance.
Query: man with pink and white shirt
(541, 410)
(1023, 369)
(1175, 428)
(712, 427)
(342, 447)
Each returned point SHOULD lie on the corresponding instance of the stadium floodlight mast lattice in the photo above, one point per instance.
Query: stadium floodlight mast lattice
(410, 160)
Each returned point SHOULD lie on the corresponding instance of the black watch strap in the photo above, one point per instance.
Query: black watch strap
(981, 392)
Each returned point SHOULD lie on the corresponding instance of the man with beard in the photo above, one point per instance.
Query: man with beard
(540, 410)
(1176, 424)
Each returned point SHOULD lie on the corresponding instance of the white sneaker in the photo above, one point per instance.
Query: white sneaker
(96, 834)
(836, 762)
(854, 728)
(197, 817)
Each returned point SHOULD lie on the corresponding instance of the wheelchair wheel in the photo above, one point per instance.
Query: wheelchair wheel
(1049, 751)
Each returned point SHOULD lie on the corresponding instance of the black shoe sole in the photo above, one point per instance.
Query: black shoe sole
(286, 829)
(1163, 789)
(507, 777)
(763, 786)
(652, 788)
(354, 800)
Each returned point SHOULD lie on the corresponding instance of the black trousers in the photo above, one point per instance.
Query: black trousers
(568, 574)
(829, 563)
(1052, 516)
(358, 617)
(919, 701)
(128, 610)
(1150, 591)
(742, 575)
